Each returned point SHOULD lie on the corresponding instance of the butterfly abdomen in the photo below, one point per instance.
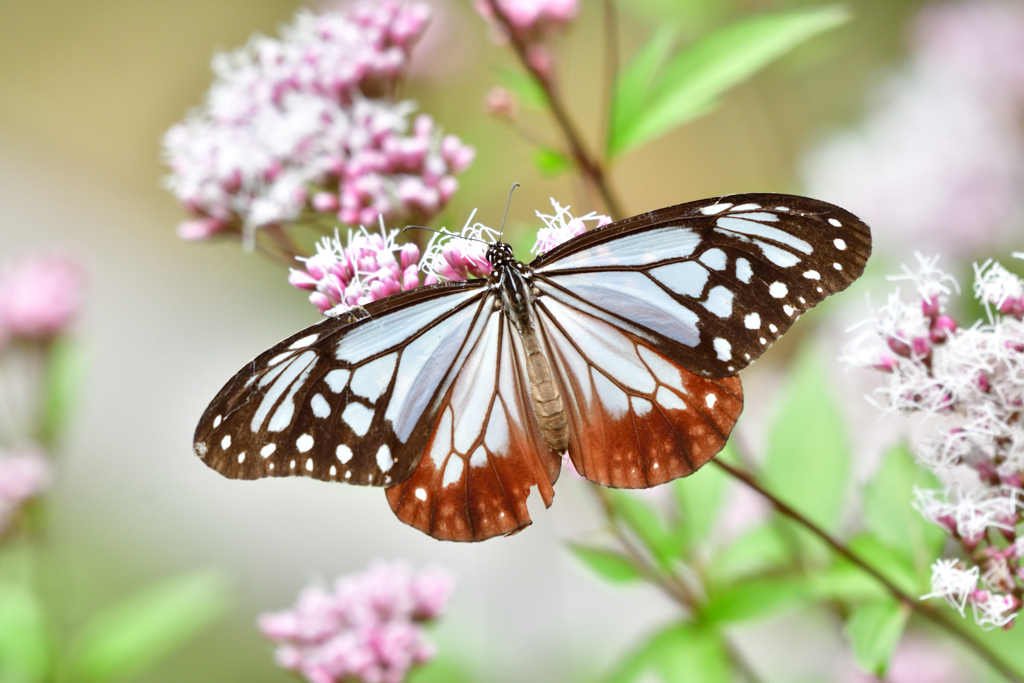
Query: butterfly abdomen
(547, 399)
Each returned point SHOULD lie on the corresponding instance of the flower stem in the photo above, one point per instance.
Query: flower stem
(591, 169)
(670, 583)
(920, 608)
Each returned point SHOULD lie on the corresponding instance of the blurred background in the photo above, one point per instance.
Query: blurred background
(87, 90)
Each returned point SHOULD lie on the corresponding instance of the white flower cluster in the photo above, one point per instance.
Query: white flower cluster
(971, 380)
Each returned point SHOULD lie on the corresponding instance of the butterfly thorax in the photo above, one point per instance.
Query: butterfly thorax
(511, 279)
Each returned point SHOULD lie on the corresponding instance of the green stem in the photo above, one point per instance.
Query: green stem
(590, 167)
(922, 609)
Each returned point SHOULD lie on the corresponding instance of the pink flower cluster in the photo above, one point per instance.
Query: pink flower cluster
(374, 266)
(24, 475)
(971, 381)
(368, 627)
(532, 22)
(305, 128)
(341, 277)
(39, 297)
(939, 158)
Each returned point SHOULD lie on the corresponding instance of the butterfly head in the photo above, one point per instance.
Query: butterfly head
(499, 255)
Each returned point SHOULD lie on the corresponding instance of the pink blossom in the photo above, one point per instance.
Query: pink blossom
(561, 227)
(367, 627)
(24, 475)
(307, 124)
(939, 157)
(531, 18)
(39, 296)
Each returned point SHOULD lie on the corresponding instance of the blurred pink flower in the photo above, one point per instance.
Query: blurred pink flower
(532, 22)
(307, 124)
(367, 628)
(24, 475)
(938, 163)
(561, 227)
(39, 297)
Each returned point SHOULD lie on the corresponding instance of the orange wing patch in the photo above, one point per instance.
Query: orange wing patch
(484, 454)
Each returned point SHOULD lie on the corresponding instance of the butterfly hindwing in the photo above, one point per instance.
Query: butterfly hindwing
(345, 400)
(485, 453)
(636, 418)
(712, 283)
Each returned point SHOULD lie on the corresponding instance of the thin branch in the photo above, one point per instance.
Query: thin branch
(920, 608)
(589, 167)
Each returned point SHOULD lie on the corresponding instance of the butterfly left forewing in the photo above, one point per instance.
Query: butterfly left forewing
(485, 452)
(636, 417)
(346, 399)
(712, 283)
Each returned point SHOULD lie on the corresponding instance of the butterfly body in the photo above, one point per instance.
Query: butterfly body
(619, 348)
(511, 278)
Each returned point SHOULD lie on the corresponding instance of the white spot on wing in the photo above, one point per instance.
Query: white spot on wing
(772, 327)
(337, 379)
(372, 379)
(421, 493)
(778, 290)
(384, 459)
(343, 453)
(752, 321)
(225, 443)
(305, 341)
(743, 270)
(719, 301)
(358, 417)
(722, 348)
(747, 207)
(837, 266)
(812, 275)
(685, 277)
(479, 457)
(613, 399)
(309, 464)
(334, 470)
(641, 406)
(834, 222)
(241, 458)
(840, 244)
(216, 421)
(268, 450)
(715, 208)
(789, 310)
(304, 443)
(713, 259)
(667, 399)
(452, 471)
(497, 436)
(321, 408)
(710, 400)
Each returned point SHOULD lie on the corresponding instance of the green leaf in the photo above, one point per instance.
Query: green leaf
(699, 497)
(551, 162)
(127, 639)
(638, 77)
(752, 598)
(680, 653)
(756, 550)
(874, 631)
(693, 80)
(607, 564)
(25, 651)
(847, 582)
(891, 518)
(527, 91)
(645, 523)
(65, 370)
(808, 461)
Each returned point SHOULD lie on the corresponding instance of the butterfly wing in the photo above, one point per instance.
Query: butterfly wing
(485, 452)
(351, 399)
(636, 419)
(710, 284)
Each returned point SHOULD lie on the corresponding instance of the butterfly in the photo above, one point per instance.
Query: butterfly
(619, 347)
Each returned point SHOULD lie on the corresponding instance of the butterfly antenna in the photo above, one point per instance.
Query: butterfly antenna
(501, 231)
(441, 232)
